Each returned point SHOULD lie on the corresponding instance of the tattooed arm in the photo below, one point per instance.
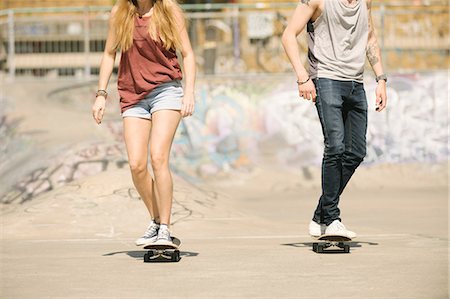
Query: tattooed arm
(373, 53)
(306, 9)
(373, 50)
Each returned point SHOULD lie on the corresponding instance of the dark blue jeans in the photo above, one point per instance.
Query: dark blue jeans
(342, 109)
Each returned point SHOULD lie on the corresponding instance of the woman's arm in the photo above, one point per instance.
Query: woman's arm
(373, 53)
(303, 13)
(188, 67)
(106, 68)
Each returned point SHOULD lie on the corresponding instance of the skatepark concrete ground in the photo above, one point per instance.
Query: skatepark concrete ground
(244, 234)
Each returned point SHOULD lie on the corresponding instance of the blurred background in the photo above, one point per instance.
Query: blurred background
(66, 38)
(248, 112)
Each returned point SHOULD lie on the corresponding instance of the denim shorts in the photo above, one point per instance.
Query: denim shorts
(166, 96)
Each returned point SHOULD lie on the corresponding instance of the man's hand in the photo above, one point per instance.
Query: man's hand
(307, 91)
(381, 98)
(98, 109)
(374, 56)
(304, 12)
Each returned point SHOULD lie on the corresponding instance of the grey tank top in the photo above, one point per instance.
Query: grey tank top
(337, 45)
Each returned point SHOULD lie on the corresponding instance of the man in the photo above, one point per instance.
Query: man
(340, 36)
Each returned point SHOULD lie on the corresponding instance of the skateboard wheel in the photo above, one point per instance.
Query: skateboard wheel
(176, 256)
(148, 256)
(315, 247)
(319, 248)
(347, 248)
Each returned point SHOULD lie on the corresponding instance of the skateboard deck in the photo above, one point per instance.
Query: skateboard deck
(158, 252)
(326, 241)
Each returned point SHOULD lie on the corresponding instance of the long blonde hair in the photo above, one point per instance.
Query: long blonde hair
(163, 23)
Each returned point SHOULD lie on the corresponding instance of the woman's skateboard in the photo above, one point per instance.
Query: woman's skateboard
(327, 241)
(157, 252)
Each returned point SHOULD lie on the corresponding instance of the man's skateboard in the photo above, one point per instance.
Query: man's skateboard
(327, 241)
(163, 252)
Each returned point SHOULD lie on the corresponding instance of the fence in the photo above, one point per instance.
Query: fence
(227, 38)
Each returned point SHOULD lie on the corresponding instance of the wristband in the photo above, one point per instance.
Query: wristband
(301, 83)
(381, 77)
(101, 92)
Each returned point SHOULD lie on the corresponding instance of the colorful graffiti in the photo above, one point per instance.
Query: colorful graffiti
(221, 135)
(247, 121)
(240, 120)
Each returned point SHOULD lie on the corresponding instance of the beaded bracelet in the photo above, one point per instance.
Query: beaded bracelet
(101, 92)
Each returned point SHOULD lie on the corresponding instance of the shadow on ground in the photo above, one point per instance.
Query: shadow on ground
(310, 245)
(139, 254)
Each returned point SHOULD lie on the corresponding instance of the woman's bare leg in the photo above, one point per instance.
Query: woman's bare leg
(137, 136)
(165, 123)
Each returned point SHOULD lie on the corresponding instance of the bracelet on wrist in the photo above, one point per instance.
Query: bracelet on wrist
(381, 77)
(101, 92)
(301, 83)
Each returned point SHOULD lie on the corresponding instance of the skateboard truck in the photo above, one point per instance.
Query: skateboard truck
(163, 252)
(327, 241)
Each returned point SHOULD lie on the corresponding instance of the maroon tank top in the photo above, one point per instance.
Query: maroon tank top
(144, 66)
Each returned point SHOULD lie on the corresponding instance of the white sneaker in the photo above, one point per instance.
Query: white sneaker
(337, 228)
(316, 229)
(149, 236)
(164, 237)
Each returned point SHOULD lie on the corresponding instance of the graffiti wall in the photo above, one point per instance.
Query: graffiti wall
(239, 123)
(242, 121)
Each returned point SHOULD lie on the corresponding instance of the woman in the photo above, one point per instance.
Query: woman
(152, 100)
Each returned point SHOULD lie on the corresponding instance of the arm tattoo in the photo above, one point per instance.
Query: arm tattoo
(306, 2)
(372, 53)
(373, 50)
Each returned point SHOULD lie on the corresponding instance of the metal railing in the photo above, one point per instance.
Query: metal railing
(227, 38)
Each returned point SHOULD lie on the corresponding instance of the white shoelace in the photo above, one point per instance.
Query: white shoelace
(152, 229)
(164, 234)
